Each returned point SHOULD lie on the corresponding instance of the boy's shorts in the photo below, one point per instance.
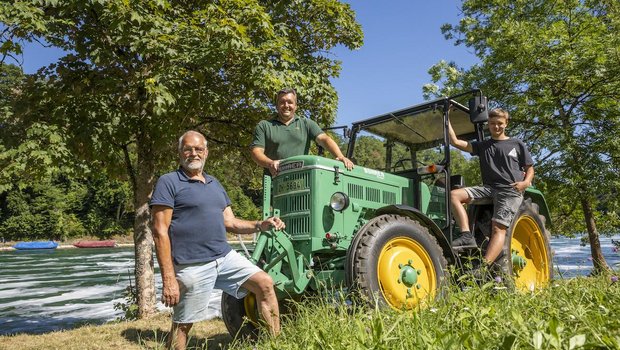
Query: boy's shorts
(506, 202)
(196, 282)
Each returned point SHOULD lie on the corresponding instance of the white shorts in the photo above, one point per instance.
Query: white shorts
(196, 281)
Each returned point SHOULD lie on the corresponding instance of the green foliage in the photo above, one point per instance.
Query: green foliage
(468, 167)
(65, 208)
(242, 204)
(107, 208)
(162, 67)
(136, 74)
(44, 210)
(11, 80)
(369, 152)
(42, 154)
(556, 67)
(580, 313)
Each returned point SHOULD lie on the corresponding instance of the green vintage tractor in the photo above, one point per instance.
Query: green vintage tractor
(383, 230)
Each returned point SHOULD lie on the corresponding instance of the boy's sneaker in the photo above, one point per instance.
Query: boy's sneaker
(466, 240)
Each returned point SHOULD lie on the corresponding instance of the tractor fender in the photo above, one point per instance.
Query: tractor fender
(415, 214)
(537, 197)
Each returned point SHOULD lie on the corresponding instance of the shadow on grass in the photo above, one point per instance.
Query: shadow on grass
(159, 337)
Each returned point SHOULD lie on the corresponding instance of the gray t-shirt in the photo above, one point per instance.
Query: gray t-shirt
(502, 162)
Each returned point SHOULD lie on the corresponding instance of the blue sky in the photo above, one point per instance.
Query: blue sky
(402, 40)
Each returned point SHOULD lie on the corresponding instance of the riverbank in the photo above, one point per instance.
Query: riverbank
(133, 335)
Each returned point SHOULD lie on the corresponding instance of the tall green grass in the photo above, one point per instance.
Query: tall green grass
(579, 313)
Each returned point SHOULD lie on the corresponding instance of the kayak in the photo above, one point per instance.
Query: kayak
(36, 245)
(96, 244)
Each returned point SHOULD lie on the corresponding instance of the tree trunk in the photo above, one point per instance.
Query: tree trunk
(598, 259)
(143, 238)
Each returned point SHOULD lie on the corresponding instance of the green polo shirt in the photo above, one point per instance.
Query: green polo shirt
(282, 141)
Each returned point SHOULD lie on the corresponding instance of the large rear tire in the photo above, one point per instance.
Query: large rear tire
(240, 316)
(527, 252)
(396, 262)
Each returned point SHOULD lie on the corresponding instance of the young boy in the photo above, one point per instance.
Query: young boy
(503, 161)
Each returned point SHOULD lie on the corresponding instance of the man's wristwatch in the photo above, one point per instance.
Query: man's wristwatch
(257, 226)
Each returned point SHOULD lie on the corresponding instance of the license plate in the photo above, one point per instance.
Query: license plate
(291, 185)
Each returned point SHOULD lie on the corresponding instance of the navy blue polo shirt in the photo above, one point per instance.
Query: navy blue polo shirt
(197, 232)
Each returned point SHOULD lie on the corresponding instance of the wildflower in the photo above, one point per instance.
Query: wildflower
(498, 279)
(614, 279)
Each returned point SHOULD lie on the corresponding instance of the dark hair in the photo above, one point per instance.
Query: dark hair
(284, 92)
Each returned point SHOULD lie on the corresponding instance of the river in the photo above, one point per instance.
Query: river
(43, 291)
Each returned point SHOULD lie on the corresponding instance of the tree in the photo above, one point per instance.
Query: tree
(555, 65)
(137, 74)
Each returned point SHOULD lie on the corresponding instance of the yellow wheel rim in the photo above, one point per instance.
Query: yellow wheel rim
(528, 242)
(398, 261)
(251, 311)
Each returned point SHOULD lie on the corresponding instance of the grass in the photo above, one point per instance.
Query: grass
(133, 335)
(579, 313)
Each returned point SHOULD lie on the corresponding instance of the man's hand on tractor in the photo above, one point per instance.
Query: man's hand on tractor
(274, 167)
(272, 222)
(346, 161)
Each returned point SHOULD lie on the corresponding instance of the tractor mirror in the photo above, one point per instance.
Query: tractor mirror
(478, 109)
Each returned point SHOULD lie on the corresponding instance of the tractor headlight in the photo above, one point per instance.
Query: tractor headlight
(339, 201)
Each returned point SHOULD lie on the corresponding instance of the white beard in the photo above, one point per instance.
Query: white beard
(193, 165)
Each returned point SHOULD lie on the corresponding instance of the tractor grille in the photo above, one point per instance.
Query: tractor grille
(356, 191)
(373, 195)
(291, 195)
(297, 226)
(389, 197)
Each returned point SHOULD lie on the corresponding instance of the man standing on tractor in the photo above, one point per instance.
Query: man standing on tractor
(287, 135)
(191, 214)
(503, 162)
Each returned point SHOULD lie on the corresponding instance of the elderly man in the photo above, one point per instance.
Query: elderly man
(287, 135)
(191, 214)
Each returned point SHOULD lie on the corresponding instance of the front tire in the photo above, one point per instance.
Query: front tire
(240, 316)
(396, 262)
(527, 251)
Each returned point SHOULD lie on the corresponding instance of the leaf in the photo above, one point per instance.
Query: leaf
(537, 340)
(576, 341)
